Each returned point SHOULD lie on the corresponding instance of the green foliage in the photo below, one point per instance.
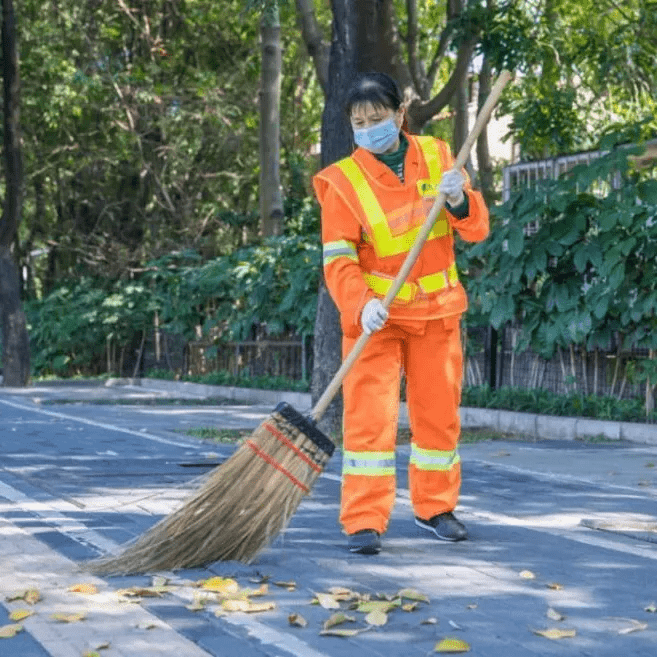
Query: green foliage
(272, 285)
(590, 271)
(224, 378)
(548, 403)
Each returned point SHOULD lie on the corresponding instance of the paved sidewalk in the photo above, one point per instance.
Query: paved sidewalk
(558, 528)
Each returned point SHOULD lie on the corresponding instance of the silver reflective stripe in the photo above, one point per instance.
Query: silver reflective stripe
(373, 464)
(339, 249)
(434, 459)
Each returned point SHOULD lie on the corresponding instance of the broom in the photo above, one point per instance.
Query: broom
(243, 504)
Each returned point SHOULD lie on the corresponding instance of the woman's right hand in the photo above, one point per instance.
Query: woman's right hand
(373, 317)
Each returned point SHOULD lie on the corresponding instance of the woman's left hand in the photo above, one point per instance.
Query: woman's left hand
(451, 184)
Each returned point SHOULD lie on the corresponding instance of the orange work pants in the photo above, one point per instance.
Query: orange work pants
(429, 352)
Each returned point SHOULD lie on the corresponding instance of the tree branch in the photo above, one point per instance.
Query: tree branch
(420, 112)
(411, 45)
(317, 48)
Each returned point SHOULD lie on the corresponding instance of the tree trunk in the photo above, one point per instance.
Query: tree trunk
(337, 142)
(15, 340)
(484, 163)
(271, 197)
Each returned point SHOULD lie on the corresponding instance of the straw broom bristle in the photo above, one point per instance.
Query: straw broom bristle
(239, 509)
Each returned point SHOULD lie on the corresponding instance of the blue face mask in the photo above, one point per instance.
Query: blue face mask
(377, 138)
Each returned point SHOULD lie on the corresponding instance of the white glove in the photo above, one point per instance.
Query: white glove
(451, 184)
(373, 317)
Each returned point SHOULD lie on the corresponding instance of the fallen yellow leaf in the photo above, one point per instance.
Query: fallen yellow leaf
(20, 614)
(10, 631)
(378, 605)
(451, 645)
(410, 606)
(376, 617)
(412, 594)
(343, 633)
(342, 594)
(247, 606)
(68, 618)
(83, 588)
(297, 620)
(337, 619)
(527, 574)
(262, 590)
(555, 633)
(327, 601)
(223, 585)
(31, 596)
(140, 592)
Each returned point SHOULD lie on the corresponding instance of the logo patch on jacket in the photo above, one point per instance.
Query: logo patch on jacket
(427, 188)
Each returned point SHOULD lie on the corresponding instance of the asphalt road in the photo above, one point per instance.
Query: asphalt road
(557, 529)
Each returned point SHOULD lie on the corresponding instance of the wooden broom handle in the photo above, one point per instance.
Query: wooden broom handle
(482, 118)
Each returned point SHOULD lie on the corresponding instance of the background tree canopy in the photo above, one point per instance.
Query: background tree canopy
(140, 129)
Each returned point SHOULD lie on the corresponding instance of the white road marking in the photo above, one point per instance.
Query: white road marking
(100, 425)
(75, 530)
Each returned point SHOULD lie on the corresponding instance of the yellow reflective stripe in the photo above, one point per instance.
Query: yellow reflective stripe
(384, 242)
(428, 284)
(439, 280)
(430, 152)
(373, 464)
(434, 459)
(339, 249)
(380, 286)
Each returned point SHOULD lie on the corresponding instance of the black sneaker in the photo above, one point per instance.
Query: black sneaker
(366, 541)
(444, 526)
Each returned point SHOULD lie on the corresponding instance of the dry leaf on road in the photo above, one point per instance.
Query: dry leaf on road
(31, 596)
(337, 619)
(68, 618)
(343, 633)
(452, 645)
(297, 620)
(412, 594)
(554, 615)
(376, 617)
(635, 625)
(246, 606)
(223, 585)
(10, 631)
(20, 614)
(555, 633)
(83, 588)
(327, 601)
(378, 605)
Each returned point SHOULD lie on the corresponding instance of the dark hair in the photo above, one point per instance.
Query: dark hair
(375, 88)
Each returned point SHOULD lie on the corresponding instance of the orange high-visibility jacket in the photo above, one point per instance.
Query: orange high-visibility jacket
(369, 222)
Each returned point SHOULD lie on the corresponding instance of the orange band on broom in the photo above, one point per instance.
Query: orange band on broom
(277, 465)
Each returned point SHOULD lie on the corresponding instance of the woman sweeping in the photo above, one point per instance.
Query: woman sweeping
(373, 204)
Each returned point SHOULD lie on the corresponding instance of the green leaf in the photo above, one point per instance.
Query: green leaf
(516, 241)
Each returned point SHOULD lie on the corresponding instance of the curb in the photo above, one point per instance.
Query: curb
(532, 425)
